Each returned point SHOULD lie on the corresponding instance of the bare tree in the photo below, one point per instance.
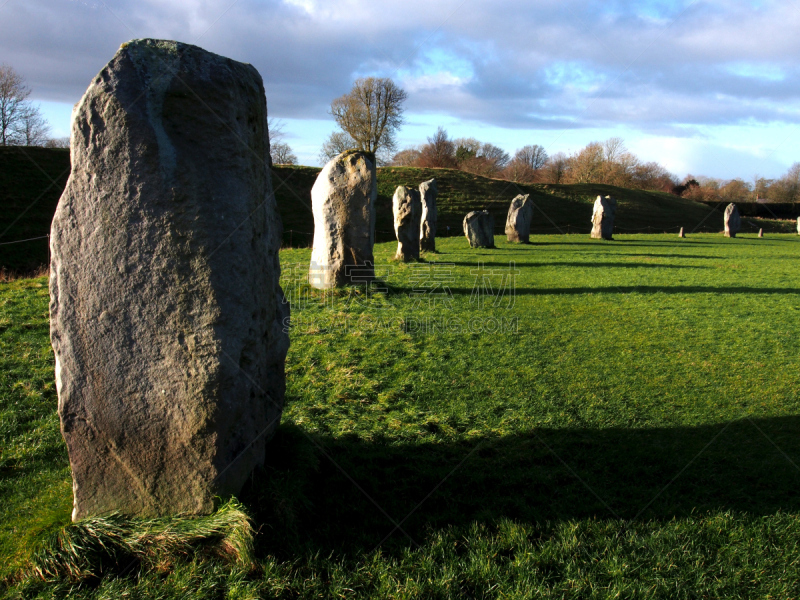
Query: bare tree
(439, 152)
(371, 113)
(275, 129)
(495, 155)
(555, 170)
(281, 154)
(586, 166)
(338, 142)
(31, 129)
(13, 104)
(62, 142)
(408, 157)
(533, 156)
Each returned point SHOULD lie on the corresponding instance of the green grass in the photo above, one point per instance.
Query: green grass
(637, 435)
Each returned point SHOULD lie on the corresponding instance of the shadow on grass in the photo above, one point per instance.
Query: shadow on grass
(619, 289)
(587, 263)
(323, 494)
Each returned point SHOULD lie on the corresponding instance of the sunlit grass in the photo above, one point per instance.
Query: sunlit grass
(632, 431)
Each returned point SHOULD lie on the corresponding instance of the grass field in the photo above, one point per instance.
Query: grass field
(621, 422)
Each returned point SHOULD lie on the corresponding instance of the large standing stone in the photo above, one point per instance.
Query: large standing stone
(166, 317)
(479, 229)
(343, 203)
(406, 206)
(518, 222)
(603, 217)
(732, 220)
(427, 234)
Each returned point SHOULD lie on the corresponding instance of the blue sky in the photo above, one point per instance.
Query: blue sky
(703, 87)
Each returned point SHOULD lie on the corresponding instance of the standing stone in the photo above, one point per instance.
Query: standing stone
(681, 234)
(479, 229)
(732, 220)
(518, 222)
(343, 204)
(427, 233)
(603, 217)
(798, 225)
(406, 206)
(166, 317)
(761, 233)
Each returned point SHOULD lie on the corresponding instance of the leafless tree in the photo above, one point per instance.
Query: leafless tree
(371, 113)
(338, 142)
(13, 104)
(408, 157)
(281, 154)
(533, 156)
(31, 129)
(439, 152)
(555, 170)
(62, 142)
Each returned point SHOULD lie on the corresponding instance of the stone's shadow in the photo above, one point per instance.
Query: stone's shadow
(326, 494)
(624, 289)
(587, 264)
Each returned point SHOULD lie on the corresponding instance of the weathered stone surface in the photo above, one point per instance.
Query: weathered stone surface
(427, 234)
(518, 222)
(681, 234)
(165, 309)
(406, 207)
(479, 229)
(732, 220)
(343, 204)
(761, 233)
(605, 208)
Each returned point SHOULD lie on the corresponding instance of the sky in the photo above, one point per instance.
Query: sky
(703, 87)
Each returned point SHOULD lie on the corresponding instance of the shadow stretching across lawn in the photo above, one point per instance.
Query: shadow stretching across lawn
(358, 487)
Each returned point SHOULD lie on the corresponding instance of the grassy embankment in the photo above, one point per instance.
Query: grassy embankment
(31, 181)
(636, 434)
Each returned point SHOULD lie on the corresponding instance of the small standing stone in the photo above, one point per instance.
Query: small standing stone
(798, 225)
(681, 234)
(343, 204)
(605, 208)
(427, 234)
(518, 222)
(406, 206)
(479, 229)
(732, 220)
(761, 233)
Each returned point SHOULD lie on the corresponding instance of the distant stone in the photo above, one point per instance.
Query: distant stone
(406, 207)
(761, 233)
(518, 222)
(605, 208)
(343, 204)
(166, 317)
(798, 225)
(479, 229)
(427, 234)
(681, 234)
(732, 220)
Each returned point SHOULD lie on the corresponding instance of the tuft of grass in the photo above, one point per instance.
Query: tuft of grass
(113, 544)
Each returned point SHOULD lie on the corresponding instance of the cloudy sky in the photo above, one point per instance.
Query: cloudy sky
(703, 87)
